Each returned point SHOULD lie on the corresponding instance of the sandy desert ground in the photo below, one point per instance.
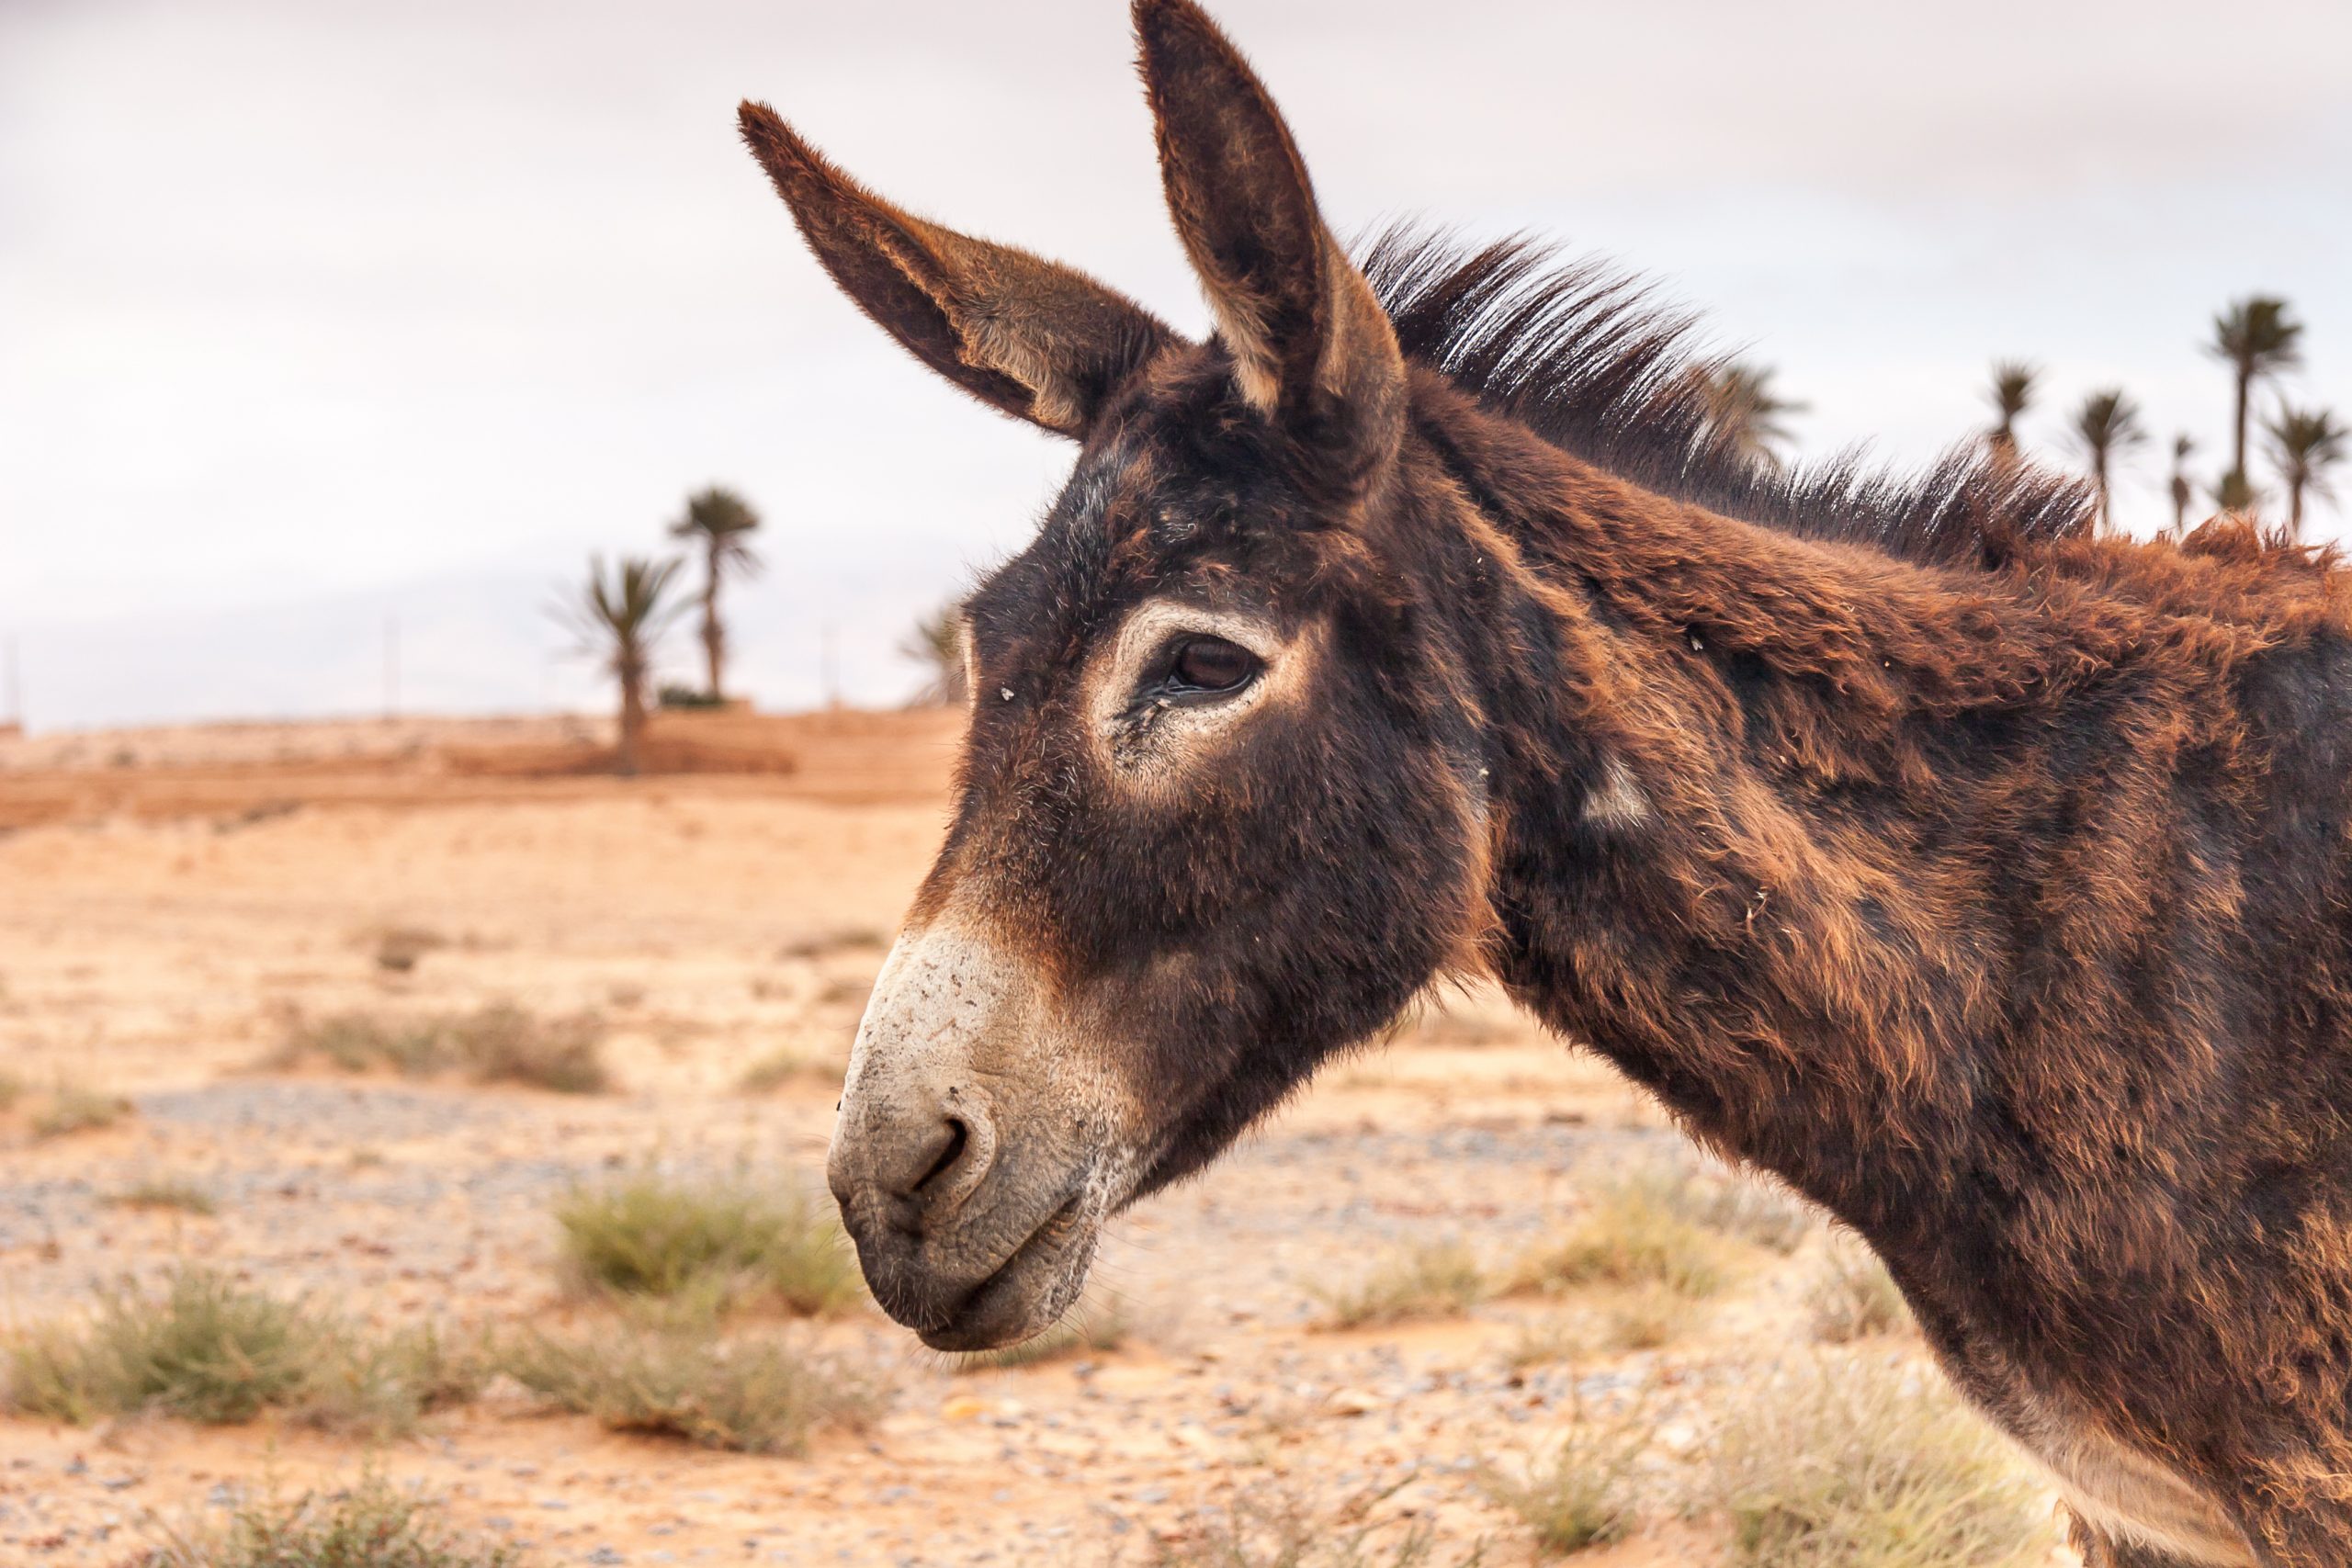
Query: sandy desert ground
(174, 904)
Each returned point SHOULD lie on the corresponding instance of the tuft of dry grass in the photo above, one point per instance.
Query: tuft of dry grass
(180, 1193)
(785, 1065)
(380, 1386)
(398, 948)
(724, 1242)
(73, 1107)
(1871, 1462)
(1541, 1341)
(759, 1396)
(498, 1043)
(503, 1043)
(361, 1043)
(1851, 1295)
(12, 1088)
(1435, 1280)
(209, 1350)
(1632, 1234)
(1732, 1202)
(371, 1525)
(1648, 1318)
(825, 943)
(1099, 1322)
(1277, 1525)
(1580, 1493)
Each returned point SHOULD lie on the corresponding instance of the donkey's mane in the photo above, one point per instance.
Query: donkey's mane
(1586, 356)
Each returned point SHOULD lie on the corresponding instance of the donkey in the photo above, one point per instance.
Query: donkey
(1984, 879)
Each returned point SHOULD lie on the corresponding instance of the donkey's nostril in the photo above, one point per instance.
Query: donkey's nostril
(910, 1175)
(960, 1138)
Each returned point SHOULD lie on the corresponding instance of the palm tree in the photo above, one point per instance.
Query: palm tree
(2182, 493)
(620, 619)
(718, 520)
(937, 640)
(2012, 395)
(1744, 413)
(2305, 444)
(2106, 427)
(2255, 337)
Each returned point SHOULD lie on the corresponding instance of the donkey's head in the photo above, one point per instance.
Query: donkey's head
(1220, 810)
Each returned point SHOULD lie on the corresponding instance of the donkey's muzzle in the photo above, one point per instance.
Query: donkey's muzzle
(962, 1163)
(911, 1176)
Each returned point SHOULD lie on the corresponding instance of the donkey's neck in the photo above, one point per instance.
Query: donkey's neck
(1719, 756)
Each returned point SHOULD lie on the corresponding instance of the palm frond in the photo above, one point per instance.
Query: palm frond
(718, 520)
(2305, 446)
(2012, 393)
(2108, 426)
(621, 615)
(1745, 411)
(2258, 336)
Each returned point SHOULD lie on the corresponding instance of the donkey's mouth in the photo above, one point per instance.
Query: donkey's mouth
(1029, 1290)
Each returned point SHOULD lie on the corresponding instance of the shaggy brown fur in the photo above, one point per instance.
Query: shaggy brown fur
(1985, 880)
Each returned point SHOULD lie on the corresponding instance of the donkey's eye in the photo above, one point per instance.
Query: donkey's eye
(1205, 664)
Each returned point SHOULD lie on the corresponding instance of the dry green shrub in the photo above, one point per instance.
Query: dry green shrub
(210, 1349)
(379, 1386)
(1099, 1322)
(1871, 1462)
(1732, 1202)
(501, 1044)
(181, 1193)
(785, 1065)
(372, 1525)
(1632, 1234)
(1543, 1340)
(1435, 1280)
(71, 1107)
(206, 1349)
(842, 939)
(1580, 1493)
(398, 948)
(1851, 1295)
(1648, 1318)
(1278, 1526)
(361, 1042)
(498, 1043)
(723, 1240)
(759, 1396)
(12, 1088)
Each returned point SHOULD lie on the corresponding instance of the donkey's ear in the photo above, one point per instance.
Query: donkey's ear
(1311, 345)
(1038, 340)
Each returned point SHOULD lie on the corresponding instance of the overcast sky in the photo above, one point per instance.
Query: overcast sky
(313, 315)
